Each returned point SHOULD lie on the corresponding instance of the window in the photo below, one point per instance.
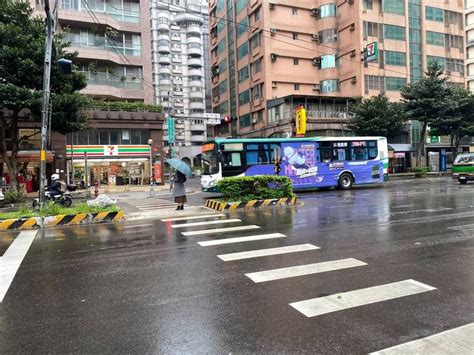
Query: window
(394, 32)
(296, 87)
(294, 11)
(240, 5)
(340, 151)
(328, 10)
(220, 25)
(245, 121)
(244, 97)
(256, 67)
(359, 150)
(242, 26)
(439, 60)
(256, 15)
(368, 4)
(456, 65)
(372, 29)
(275, 113)
(328, 61)
(455, 41)
(435, 38)
(243, 74)
(328, 36)
(394, 84)
(295, 35)
(328, 86)
(259, 153)
(374, 82)
(243, 50)
(257, 91)
(395, 58)
(232, 159)
(221, 46)
(296, 61)
(394, 6)
(453, 18)
(220, 89)
(255, 41)
(434, 14)
(222, 66)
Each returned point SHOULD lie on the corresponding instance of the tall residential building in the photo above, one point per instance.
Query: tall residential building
(180, 66)
(270, 56)
(469, 11)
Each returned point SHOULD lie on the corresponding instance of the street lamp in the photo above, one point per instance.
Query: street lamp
(150, 143)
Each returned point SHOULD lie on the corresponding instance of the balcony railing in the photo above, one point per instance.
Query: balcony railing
(110, 80)
(103, 8)
(97, 42)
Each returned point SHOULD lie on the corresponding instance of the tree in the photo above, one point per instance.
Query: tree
(22, 39)
(426, 101)
(458, 122)
(377, 116)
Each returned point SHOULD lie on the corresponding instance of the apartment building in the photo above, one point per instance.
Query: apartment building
(113, 41)
(269, 57)
(469, 12)
(180, 66)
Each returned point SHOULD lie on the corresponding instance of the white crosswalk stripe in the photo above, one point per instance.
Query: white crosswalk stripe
(220, 230)
(267, 252)
(203, 216)
(196, 224)
(300, 270)
(340, 301)
(454, 341)
(250, 238)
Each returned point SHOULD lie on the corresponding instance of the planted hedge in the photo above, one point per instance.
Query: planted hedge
(247, 188)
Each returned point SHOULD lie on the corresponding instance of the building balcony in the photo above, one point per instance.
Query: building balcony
(194, 29)
(196, 95)
(176, 59)
(195, 83)
(106, 12)
(177, 71)
(163, 27)
(176, 38)
(101, 43)
(198, 138)
(176, 48)
(164, 49)
(164, 37)
(197, 105)
(195, 62)
(166, 82)
(178, 104)
(469, 42)
(196, 40)
(164, 70)
(184, 18)
(178, 93)
(194, 72)
(164, 60)
(195, 52)
(198, 127)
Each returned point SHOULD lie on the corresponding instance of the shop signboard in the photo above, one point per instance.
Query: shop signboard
(157, 171)
(106, 151)
(300, 121)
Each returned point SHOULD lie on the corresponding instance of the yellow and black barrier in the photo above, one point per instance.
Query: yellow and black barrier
(21, 223)
(253, 204)
(61, 220)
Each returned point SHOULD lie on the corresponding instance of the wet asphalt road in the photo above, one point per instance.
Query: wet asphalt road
(143, 287)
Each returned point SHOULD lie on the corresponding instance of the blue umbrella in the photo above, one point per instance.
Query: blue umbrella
(180, 166)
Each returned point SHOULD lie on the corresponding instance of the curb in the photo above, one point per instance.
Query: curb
(61, 220)
(253, 204)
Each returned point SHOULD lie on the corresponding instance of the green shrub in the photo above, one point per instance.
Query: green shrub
(420, 172)
(13, 196)
(247, 188)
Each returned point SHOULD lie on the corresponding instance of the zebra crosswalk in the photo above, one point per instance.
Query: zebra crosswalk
(318, 306)
(147, 205)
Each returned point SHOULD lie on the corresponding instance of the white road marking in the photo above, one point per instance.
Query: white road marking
(300, 270)
(220, 230)
(340, 301)
(267, 252)
(193, 217)
(11, 260)
(137, 226)
(241, 239)
(454, 341)
(195, 224)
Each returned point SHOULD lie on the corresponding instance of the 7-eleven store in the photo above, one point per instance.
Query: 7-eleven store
(115, 165)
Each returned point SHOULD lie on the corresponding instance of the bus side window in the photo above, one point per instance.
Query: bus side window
(232, 159)
(325, 151)
(359, 150)
(341, 151)
(372, 149)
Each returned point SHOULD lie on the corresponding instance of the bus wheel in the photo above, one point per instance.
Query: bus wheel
(345, 181)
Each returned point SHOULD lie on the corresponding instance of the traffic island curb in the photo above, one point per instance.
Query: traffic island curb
(223, 206)
(61, 220)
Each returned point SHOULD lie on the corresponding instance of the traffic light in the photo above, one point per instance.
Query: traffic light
(229, 119)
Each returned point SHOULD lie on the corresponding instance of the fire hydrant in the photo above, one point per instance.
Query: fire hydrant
(96, 189)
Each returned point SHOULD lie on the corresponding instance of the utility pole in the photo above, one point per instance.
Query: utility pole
(50, 30)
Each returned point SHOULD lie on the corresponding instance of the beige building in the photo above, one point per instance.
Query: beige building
(469, 10)
(114, 46)
(270, 56)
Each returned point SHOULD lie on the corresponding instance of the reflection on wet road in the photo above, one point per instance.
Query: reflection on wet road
(350, 271)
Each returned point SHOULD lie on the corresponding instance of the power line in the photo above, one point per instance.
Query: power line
(290, 37)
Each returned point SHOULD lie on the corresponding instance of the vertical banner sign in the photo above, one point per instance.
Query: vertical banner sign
(443, 160)
(170, 122)
(300, 121)
(157, 172)
(372, 51)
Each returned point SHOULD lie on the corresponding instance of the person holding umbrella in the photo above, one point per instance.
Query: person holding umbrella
(179, 191)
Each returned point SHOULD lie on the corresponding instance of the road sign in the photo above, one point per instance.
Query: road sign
(170, 122)
(372, 51)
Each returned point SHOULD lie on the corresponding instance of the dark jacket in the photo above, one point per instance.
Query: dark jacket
(55, 188)
(180, 177)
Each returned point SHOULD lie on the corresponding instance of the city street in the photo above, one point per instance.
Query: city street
(353, 271)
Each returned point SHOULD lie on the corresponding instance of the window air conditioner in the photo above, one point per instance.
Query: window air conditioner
(316, 87)
(315, 12)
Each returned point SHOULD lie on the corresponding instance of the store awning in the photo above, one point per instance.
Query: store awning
(401, 147)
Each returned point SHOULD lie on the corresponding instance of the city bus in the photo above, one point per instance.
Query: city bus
(310, 163)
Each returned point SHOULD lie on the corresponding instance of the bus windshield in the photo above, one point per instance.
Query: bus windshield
(210, 162)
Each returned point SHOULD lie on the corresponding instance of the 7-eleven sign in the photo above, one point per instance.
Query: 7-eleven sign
(110, 150)
(372, 51)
